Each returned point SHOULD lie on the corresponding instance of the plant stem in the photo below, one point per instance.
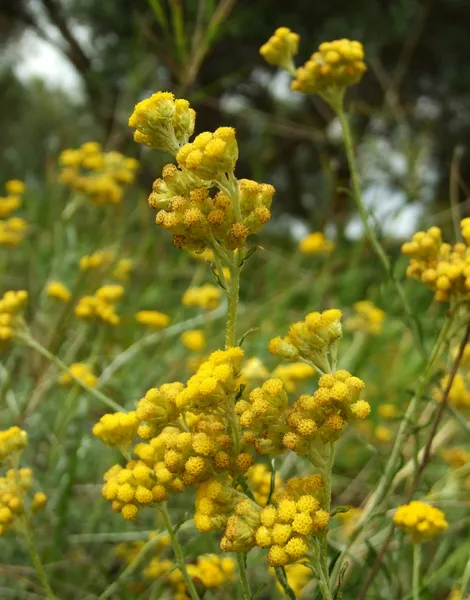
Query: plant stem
(33, 553)
(232, 310)
(35, 345)
(323, 542)
(243, 576)
(338, 107)
(178, 552)
(416, 570)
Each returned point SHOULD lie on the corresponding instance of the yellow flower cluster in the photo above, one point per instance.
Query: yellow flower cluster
(81, 371)
(194, 340)
(292, 374)
(367, 318)
(456, 458)
(284, 527)
(206, 296)
(12, 231)
(214, 383)
(459, 394)
(316, 243)
(58, 291)
(443, 267)
(455, 594)
(298, 576)
(117, 429)
(322, 417)
(259, 480)
(14, 189)
(421, 520)
(12, 442)
(12, 304)
(99, 175)
(281, 47)
(13, 489)
(187, 209)
(104, 258)
(215, 499)
(152, 319)
(335, 65)
(102, 305)
(157, 409)
(388, 411)
(312, 339)
(163, 122)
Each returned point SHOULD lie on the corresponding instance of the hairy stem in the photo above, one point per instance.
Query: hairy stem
(232, 310)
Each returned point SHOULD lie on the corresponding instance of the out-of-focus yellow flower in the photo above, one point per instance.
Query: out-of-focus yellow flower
(421, 520)
(280, 49)
(194, 340)
(349, 520)
(12, 304)
(456, 458)
(206, 297)
(388, 411)
(12, 441)
(81, 371)
(102, 305)
(12, 231)
(383, 434)
(59, 291)
(316, 243)
(292, 374)
(367, 318)
(15, 187)
(152, 318)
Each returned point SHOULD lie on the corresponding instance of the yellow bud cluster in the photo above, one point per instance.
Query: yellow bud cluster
(117, 429)
(12, 304)
(335, 66)
(281, 47)
(206, 296)
(152, 319)
(212, 571)
(194, 340)
(13, 489)
(130, 488)
(259, 480)
(157, 409)
(296, 515)
(263, 415)
(12, 231)
(459, 394)
(14, 189)
(214, 384)
(367, 318)
(442, 267)
(322, 417)
(215, 499)
(104, 258)
(12, 442)
(82, 371)
(311, 339)
(421, 520)
(210, 155)
(58, 291)
(316, 243)
(292, 374)
(163, 122)
(99, 175)
(456, 458)
(102, 305)
(240, 530)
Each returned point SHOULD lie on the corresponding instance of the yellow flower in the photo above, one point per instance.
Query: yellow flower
(12, 441)
(12, 231)
(210, 155)
(316, 243)
(206, 297)
(152, 319)
(81, 371)
(59, 291)
(9, 205)
(15, 187)
(367, 318)
(421, 520)
(281, 47)
(194, 340)
(117, 429)
(383, 434)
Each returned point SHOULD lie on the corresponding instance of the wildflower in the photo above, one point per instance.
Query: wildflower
(117, 429)
(421, 520)
(12, 231)
(333, 67)
(97, 260)
(281, 47)
(367, 318)
(215, 499)
(316, 243)
(12, 442)
(14, 500)
(59, 291)
(383, 434)
(102, 305)
(206, 297)
(9, 205)
(456, 458)
(312, 339)
(152, 319)
(81, 371)
(459, 393)
(388, 411)
(15, 187)
(163, 122)
(194, 340)
(349, 520)
(12, 304)
(259, 479)
(298, 576)
(157, 409)
(122, 269)
(211, 155)
(213, 571)
(292, 374)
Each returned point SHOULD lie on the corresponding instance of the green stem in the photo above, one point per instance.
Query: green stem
(35, 345)
(232, 310)
(465, 585)
(178, 553)
(243, 576)
(323, 542)
(338, 106)
(33, 553)
(416, 570)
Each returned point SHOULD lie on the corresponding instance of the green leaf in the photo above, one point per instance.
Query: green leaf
(340, 509)
(336, 592)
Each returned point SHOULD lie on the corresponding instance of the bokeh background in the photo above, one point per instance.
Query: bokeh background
(71, 70)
